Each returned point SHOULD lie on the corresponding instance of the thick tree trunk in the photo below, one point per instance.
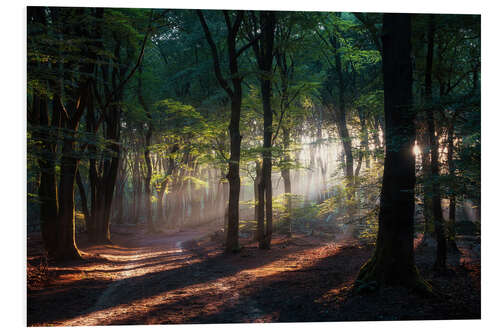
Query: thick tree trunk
(105, 183)
(47, 191)
(393, 262)
(66, 245)
(45, 135)
(48, 195)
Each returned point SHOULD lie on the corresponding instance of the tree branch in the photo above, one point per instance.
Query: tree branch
(215, 56)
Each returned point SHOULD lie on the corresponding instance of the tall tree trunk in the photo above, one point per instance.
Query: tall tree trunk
(66, 244)
(66, 247)
(159, 204)
(423, 143)
(341, 121)
(92, 175)
(45, 133)
(233, 176)
(287, 183)
(264, 55)
(451, 241)
(434, 146)
(393, 262)
(47, 191)
(256, 190)
(78, 99)
(83, 198)
(149, 169)
(364, 138)
(119, 205)
(341, 116)
(223, 208)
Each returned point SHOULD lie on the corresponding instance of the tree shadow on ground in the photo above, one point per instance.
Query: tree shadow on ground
(85, 293)
(322, 292)
(228, 294)
(285, 296)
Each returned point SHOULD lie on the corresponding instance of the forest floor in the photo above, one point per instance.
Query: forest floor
(184, 277)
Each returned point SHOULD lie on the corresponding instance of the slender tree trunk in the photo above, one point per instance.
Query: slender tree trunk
(364, 138)
(147, 182)
(437, 212)
(83, 198)
(233, 176)
(159, 206)
(256, 189)
(423, 143)
(379, 145)
(119, 205)
(341, 117)
(287, 183)
(451, 241)
(264, 55)
(147, 156)
(224, 206)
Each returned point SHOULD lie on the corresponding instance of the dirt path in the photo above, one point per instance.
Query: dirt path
(112, 274)
(154, 254)
(184, 278)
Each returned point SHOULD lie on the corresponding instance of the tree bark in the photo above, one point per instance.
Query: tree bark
(393, 262)
(235, 94)
(147, 156)
(287, 183)
(451, 241)
(257, 197)
(264, 54)
(341, 116)
(66, 245)
(437, 212)
(423, 144)
(45, 132)
(364, 138)
(48, 192)
(83, 198)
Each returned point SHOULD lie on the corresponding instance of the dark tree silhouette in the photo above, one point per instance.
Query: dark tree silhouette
(393, 262)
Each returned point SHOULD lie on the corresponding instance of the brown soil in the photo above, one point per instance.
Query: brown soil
(184, 277)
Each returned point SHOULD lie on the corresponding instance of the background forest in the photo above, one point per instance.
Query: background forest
(256, 125)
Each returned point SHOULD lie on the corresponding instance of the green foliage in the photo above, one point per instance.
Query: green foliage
(187, 112)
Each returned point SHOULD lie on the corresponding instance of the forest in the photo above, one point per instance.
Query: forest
(242, 166)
